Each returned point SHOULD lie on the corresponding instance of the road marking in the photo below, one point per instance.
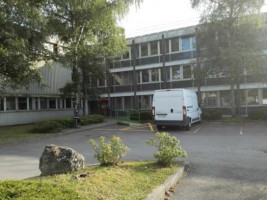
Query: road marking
(100, 129)
(151, 127)
(195, 132)
(241, 131)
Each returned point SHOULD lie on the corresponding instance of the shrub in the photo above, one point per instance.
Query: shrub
(211, 114)
(110, 153)
(258, 114)
(49, 126)
(167, 148)
(67, 122)
(90, 119)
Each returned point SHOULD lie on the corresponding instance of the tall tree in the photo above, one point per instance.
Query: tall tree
(22, 39)
(230, 34)
(82, 23)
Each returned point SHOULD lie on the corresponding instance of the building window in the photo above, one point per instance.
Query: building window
(225, 98)
(185, 43)
(10, 103)
(145, 103)
(176, 73)
(43, 102)
(154, 48)
(243, 97)
(187, 72)
(145, 76)
(209, 99)
(52, 103)
(22, 103)
(102, 81)
(264, 96)
(194, 44)
(253, 98)
(175, 44)
(136, 52)
(1, 104)
(128, 102)
(117, 78)
(126, 55)
(68, 103)
(155, 75)
(144, 49)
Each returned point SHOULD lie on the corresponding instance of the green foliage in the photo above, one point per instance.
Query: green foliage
(167, 148)
(36, 190)
(110, 153)
(211, 114)
(258, 114)
(67, 122)
(49, 126)
(90, 119)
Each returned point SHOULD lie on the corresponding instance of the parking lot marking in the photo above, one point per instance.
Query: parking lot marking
(151, 127)
(241, 131)
(195, 132)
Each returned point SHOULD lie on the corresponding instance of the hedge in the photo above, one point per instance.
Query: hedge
(56, 125)
(211, 114)
(258, 114)
(144, 116)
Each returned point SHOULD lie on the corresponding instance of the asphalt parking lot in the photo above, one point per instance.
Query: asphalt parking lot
(226, 161)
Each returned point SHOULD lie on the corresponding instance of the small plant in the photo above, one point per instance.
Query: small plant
(211, 114)
(168, 148)
(110, 153)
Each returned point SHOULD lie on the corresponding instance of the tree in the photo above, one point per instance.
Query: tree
(230, 34)
(22, 39)
(84, 26)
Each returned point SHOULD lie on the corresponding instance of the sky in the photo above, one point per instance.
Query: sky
(159, 15)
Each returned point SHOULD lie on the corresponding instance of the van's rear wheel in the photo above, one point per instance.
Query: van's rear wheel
(159, 127)
(188, 127)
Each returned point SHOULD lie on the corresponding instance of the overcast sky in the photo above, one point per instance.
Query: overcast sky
(159, 15)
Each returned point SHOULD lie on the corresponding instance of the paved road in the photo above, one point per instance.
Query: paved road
(226, 161)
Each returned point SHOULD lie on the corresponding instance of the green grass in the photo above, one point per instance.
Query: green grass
(15, 133)
(128, 181)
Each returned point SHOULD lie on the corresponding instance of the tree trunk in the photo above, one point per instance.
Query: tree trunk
(238, 104)
(233, 106)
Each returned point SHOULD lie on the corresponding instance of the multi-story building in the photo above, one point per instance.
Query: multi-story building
(150, 63)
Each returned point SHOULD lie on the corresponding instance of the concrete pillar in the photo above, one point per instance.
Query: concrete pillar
(4, 103)
(28, 103)
(260, 96)
(16, 103)
(218, 99)
(33, 103)
(39, 103)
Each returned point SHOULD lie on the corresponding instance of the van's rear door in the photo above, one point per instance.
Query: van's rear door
(168, 105)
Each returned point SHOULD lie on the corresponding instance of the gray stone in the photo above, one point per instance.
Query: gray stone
(60, 160)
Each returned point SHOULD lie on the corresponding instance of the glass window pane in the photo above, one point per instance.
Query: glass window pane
(1, 104)
(10, 103)
(175, 44)
(145, 76)
(187, 71)
(144, 49)
(22, 103)
(253, 98)
(176, 74)
(117, 78)
(264, 96)
(126, 55)
(225, 98)
(145, 103)
(209, 99)
(68, 103)
(194, 46)
(186, 44)
(154, 48)
(155, 74)
(52, 103)
(43, 102)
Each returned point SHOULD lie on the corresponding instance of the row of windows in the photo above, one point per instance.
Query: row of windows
(174, 73)
(31, 103)
(178, 44)
(208, 99)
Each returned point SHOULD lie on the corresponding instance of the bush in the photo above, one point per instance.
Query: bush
(49, 126)
(67, 122)
(90, 119)
(110, 153)
(167, 148)
(211, 114)
(258, 114)
(144, 116)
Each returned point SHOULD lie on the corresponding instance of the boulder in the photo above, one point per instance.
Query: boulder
(60, 160)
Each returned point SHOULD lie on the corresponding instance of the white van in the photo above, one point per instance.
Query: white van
(175, 107)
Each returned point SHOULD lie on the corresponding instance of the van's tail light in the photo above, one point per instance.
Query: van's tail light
(153, 111)
(184, 111)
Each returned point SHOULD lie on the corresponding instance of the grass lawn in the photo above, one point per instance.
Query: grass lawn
(15, 133)
(131, 180)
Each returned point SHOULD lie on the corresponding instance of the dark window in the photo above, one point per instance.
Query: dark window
(144, 49)
(52, 103)
(1, 104)
(43, 102)
(68, 103)
(187, 71)
(154, 48)
(10, 103)
(175, 44)
(22, 103)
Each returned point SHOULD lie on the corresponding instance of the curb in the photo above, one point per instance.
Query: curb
(159, 192)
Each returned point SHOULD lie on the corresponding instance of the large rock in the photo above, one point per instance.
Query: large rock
(59, 160)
